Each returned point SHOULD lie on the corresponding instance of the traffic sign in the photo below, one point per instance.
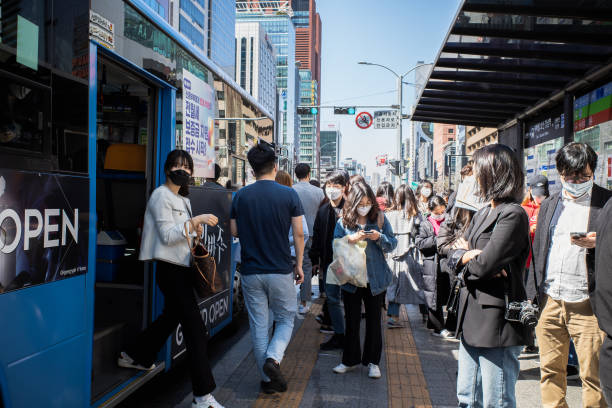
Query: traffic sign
(385, 119)
(363, 120)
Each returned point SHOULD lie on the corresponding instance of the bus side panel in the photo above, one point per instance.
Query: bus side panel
(51, 379)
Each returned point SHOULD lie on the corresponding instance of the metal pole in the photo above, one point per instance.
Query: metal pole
(399, 129)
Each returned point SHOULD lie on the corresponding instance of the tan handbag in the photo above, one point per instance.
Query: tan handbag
(204, 268)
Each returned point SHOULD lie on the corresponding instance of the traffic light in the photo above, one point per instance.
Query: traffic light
(394, 167)
(307, 110)
(344, 110)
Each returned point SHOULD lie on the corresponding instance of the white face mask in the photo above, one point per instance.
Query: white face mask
(426, 192)
(333, 193)
(438, 217)
(363, 211)
(577, 190)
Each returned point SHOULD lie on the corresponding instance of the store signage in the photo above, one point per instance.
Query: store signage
(363, 120)
(198, 124)
(548, 126)
(386, 119)
(593, 108)
(101, 30)
(43, 228)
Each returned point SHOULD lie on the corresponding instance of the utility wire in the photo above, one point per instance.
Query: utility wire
(359, 97)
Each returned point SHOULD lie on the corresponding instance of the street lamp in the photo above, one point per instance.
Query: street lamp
(400, 81)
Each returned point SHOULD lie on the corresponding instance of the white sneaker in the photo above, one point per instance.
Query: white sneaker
(304, 309)
(374, 371)
(341, 368)
(126, 361)
(207, 401)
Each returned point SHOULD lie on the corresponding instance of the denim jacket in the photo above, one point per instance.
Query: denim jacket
(379, 274)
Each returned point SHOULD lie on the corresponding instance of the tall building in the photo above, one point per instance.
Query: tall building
(221, 22)
(191, 21)
(331, 140)
(477, 137)
(255, 63)
(275, 18)
(442, 134)
(308, 54)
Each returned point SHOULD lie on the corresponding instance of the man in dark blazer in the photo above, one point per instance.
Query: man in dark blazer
(564, 262)
(602, 297)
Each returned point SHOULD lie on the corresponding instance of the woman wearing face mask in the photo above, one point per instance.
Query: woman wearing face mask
(362, 220)
(424, 193)
(168, 226)
(384, 196)
(437, 283)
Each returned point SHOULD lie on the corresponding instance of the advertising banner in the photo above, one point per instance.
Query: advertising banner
(540, 160)
(44, 225)
(543, 128)
(218, 240)
(198, 124)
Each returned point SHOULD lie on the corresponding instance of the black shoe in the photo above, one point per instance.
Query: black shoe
(319, 318)
(334, 343)
(272, 387)
(272, 369)
(572, 372)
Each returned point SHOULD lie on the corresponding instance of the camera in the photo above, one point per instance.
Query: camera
(523, 312)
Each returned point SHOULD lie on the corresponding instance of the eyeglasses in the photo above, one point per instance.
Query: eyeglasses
(577, 178)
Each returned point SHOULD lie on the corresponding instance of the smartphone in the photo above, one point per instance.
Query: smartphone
(368, 232)
(577, 235)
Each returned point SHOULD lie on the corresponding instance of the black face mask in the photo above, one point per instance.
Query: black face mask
(179, 177)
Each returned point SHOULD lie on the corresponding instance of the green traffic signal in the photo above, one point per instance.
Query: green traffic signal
(351, 111)
(314, 111)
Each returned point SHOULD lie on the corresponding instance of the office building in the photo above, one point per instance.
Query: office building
(442, 134)
(190, 18)
(477, 137)
(331, 140)
(221, 23)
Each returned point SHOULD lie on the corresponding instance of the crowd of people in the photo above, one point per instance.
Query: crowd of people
(496, 266)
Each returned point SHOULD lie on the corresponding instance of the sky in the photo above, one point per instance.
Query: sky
(395, 33)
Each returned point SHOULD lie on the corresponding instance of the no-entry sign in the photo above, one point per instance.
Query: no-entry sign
(364, 120)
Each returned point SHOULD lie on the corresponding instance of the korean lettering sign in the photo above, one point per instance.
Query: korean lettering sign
(198, 120)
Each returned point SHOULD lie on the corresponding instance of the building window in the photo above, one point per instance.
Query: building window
(192, 33)
(451, 131)
(251, 69)
(192, 11)
(243, 43)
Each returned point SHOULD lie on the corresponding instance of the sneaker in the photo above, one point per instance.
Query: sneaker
(207, 401)
(326, 329)
(373, 371)
(272, 369)
(445, 334)
(336, 342)
(572, 372)
(272, 387)
(319, 318)
(126, 361)
(393, 324)
(303, 309)
(342, 369)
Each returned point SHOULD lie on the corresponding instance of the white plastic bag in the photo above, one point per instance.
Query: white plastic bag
(349, 265)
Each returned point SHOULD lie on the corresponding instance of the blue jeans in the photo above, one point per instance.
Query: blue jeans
(269, 297)
(487, 376)
(335, 307)
(393, 309)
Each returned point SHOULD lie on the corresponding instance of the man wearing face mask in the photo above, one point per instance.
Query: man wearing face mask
(322, 253)
(564, 261)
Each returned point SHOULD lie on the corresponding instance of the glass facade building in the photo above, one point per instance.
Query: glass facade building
(221, 46)
(308, 123)
(193, 22)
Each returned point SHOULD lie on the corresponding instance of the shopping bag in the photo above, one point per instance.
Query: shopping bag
(349, 265)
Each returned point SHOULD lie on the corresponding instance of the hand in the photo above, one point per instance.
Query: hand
(532, 229)
(208, 219)
(502, 274)
(315, 270)
(461, 243)
(587, 242)
(374, 236)
(469, 255)
(199, 230)
(356, 237)
(299, 275)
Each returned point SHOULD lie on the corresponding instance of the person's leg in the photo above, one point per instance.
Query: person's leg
(435, 319)
(372, 346)
(605, 369)
(148, 343)
(256, 301)
(469, 378)
(500, 368)
(281, 295)
(352, 345)
(393, 309)
(588, 338)
(335, 308)
(306, 286)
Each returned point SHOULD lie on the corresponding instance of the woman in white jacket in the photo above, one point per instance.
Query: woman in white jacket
(168, 227)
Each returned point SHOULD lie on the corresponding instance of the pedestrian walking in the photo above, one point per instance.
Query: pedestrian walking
(362, 220)
(311, 198)
(407, 284)
(321, 254)
(261, 216)
(564, 262)
(436, 282)
(384, 196)
(491, 267)
(601, 299)
(424, 192)
(168, 227)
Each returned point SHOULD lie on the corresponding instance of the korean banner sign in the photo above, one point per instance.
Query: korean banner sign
(198, 124)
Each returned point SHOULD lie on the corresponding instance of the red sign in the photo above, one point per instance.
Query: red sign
(364, 120)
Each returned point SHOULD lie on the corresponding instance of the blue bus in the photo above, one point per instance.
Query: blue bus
(90, 105)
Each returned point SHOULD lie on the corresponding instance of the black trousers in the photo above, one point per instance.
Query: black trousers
(435, 317)
(180, 307)
(372, 347)
(605, 369)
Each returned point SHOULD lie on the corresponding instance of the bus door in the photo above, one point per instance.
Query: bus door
(129, 116)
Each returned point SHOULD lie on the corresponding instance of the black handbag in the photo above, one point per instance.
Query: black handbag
(204, 268)
(452, 305)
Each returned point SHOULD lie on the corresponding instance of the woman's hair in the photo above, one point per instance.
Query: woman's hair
(467, 170)
(349, 214)
(422, 185)
(179, 158)
(498, 172)
(435, 201)
(284, 178)
(462, 217)
(405, 200)
(573, 158)
(356, 179)
(385, 190)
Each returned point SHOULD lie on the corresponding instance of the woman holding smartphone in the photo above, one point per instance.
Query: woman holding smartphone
(362, 220)
(168, 227)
